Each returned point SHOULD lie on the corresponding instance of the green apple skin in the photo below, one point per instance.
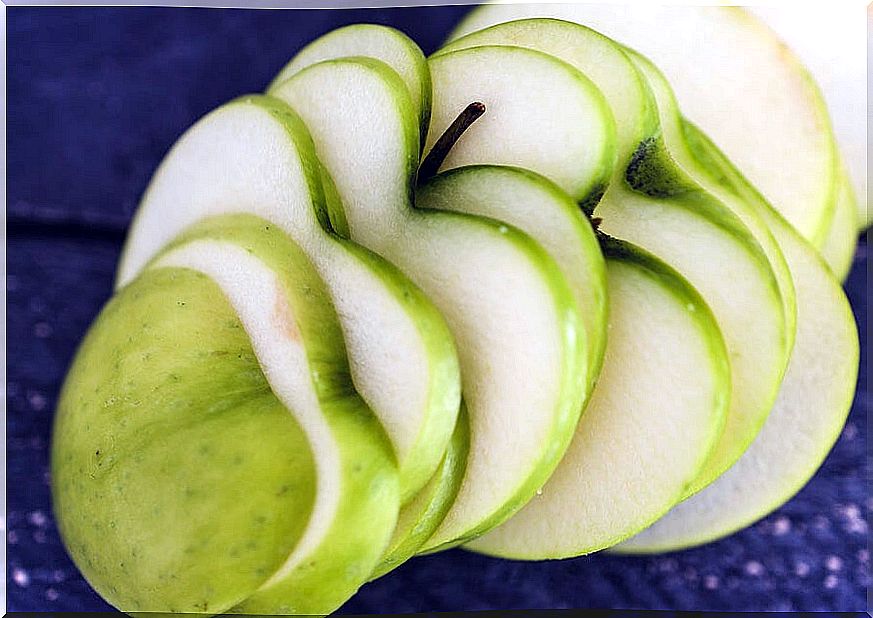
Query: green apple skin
(371, 41)
(180, 483)
(813, 403)
(652, 203)
(419, 518)
(423, 228)
(149, 444)
(313, 217)
(369, 494)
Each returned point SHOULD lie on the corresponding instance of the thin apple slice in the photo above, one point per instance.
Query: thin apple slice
(254, 156)
(653, 204)
(517, 327)
(419, 518)
(734, 79)
(257, 481)
(562, 125)
(842, 237)
(656, 411)
(372, 41)
(833, 42)
(539, 208)
(814, 399)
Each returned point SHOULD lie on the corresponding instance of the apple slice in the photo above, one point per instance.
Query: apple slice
(657, 410)
(254, 156)
(220, 459)
(653, 204)
(419, 518)
(842, 237)
(518, 330)
(539, 208)
(814, 399)
(373, 41)
(833, 42)
(561, 127)
(734, 79)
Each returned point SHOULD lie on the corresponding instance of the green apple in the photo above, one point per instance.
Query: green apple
(814, 399)
(656, 412)
(210, 453)
(653, 204)
(519, 332)
(372, 41)
(771, 120)
(254, 156)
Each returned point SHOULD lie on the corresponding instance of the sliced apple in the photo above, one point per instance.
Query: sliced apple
(833, 42)
(419, 518)
(518, 330)
(653, 204)
(813, 402)
(770, 119)
(254, 156)
(656, 411)
(222, 459)
(842, 237)
(539, 208)
(563, 125)
(372, 41)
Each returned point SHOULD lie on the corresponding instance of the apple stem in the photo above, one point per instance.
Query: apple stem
(434, 159)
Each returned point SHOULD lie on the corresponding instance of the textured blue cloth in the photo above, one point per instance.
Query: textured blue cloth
(95, 98)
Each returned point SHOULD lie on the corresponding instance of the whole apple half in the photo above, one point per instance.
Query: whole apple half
(210, 452)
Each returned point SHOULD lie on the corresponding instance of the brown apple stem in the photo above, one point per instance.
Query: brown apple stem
(434, 159)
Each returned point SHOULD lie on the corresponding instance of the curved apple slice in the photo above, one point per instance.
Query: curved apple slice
(420, 517)
(841, 241)
(540, 209)
(653, 204)
(561, 125)
(372, 41)
(254, 156)
(655, 414)
(184, 485)
(517, 328)
(813, 402)
(772, 114)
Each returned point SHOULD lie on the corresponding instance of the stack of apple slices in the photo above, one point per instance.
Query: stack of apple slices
(507, 297)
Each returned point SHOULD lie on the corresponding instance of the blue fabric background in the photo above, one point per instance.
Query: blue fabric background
(95, 98)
